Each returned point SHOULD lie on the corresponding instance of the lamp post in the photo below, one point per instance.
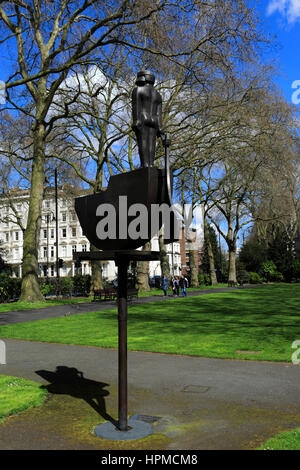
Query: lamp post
(47, 222)
(220, 257)
(48, 219)
(173, 259)
(56, 229)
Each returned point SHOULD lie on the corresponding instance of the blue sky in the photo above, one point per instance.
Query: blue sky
(282, 19)
(279, 18)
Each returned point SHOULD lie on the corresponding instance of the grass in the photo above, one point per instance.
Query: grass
(13, 306)
(190, 289)
(264, 320)
(18, 394)
(289, 440)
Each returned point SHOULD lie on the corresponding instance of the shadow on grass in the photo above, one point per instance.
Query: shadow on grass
(70, 381)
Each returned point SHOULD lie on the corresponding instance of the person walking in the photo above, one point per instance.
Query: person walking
(177, 286)
(186, 285)
(164, 284)
(173, 285)
(183, 285)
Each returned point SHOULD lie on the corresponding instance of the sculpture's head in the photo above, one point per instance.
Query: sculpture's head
(145, 76)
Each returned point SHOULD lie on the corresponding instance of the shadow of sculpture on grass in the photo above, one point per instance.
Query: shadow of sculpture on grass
(70, 381)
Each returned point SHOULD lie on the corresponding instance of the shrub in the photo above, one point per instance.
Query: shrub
(255, 278)
(66, 286)
(10, 288)
(204, 280)
(243, 276)
(295, 269)
(267, 270)
(277, 277)
(46, 289)
(81, 284)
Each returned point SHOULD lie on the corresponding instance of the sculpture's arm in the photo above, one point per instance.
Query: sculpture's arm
(136, 110)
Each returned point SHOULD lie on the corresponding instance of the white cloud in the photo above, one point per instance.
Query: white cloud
(290, 9)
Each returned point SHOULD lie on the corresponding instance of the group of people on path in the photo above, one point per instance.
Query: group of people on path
(176, 284)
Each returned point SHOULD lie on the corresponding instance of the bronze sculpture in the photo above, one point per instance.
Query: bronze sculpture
(148, 185)
(145, 187)
(146, 116)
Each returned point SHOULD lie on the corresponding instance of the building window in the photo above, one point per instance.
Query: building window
(44, 251)
(17, 236)
(52, 270)
(64, 216)
(16, 253)
(64, 251)
(73, 232)
(73, 216)
(45, 270)
(83, 247)
(52, 251)
(52, 233)
(45, 233)
(64, 233)
(47, 204)
(64, 270)
(6, 237)
(74, 248)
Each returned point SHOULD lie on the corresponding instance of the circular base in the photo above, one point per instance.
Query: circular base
(139, 429)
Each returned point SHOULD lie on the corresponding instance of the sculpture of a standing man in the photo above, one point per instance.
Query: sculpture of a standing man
(147, 116)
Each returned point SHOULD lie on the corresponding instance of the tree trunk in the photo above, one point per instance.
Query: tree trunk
(193, 270)
(212, 271)
(142, 278)
(96, 277)
(164, 259)
(30, 290)
(232, 262)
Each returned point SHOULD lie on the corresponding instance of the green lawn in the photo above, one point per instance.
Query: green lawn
(264, 319)
(18, 394)
(289, 440)
(193, 289)
(12, 306)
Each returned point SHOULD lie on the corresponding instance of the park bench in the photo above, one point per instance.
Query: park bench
(105, 294)
(132, 294)
(111, 294)
(232, 284)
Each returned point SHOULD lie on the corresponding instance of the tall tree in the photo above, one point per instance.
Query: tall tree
(47, 39)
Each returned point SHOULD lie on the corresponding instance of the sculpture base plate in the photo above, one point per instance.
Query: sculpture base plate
(138, 430)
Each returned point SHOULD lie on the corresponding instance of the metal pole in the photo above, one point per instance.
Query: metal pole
(122, 264)
(56, 227)
(173, 259)
(220, 258)
(47, 220)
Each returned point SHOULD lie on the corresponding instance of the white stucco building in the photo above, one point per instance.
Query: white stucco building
(13, 219)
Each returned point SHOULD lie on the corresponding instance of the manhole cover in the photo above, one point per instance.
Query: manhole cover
(195, 389)
(146, 419)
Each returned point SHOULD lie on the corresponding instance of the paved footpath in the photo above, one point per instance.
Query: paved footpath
(201, 403)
